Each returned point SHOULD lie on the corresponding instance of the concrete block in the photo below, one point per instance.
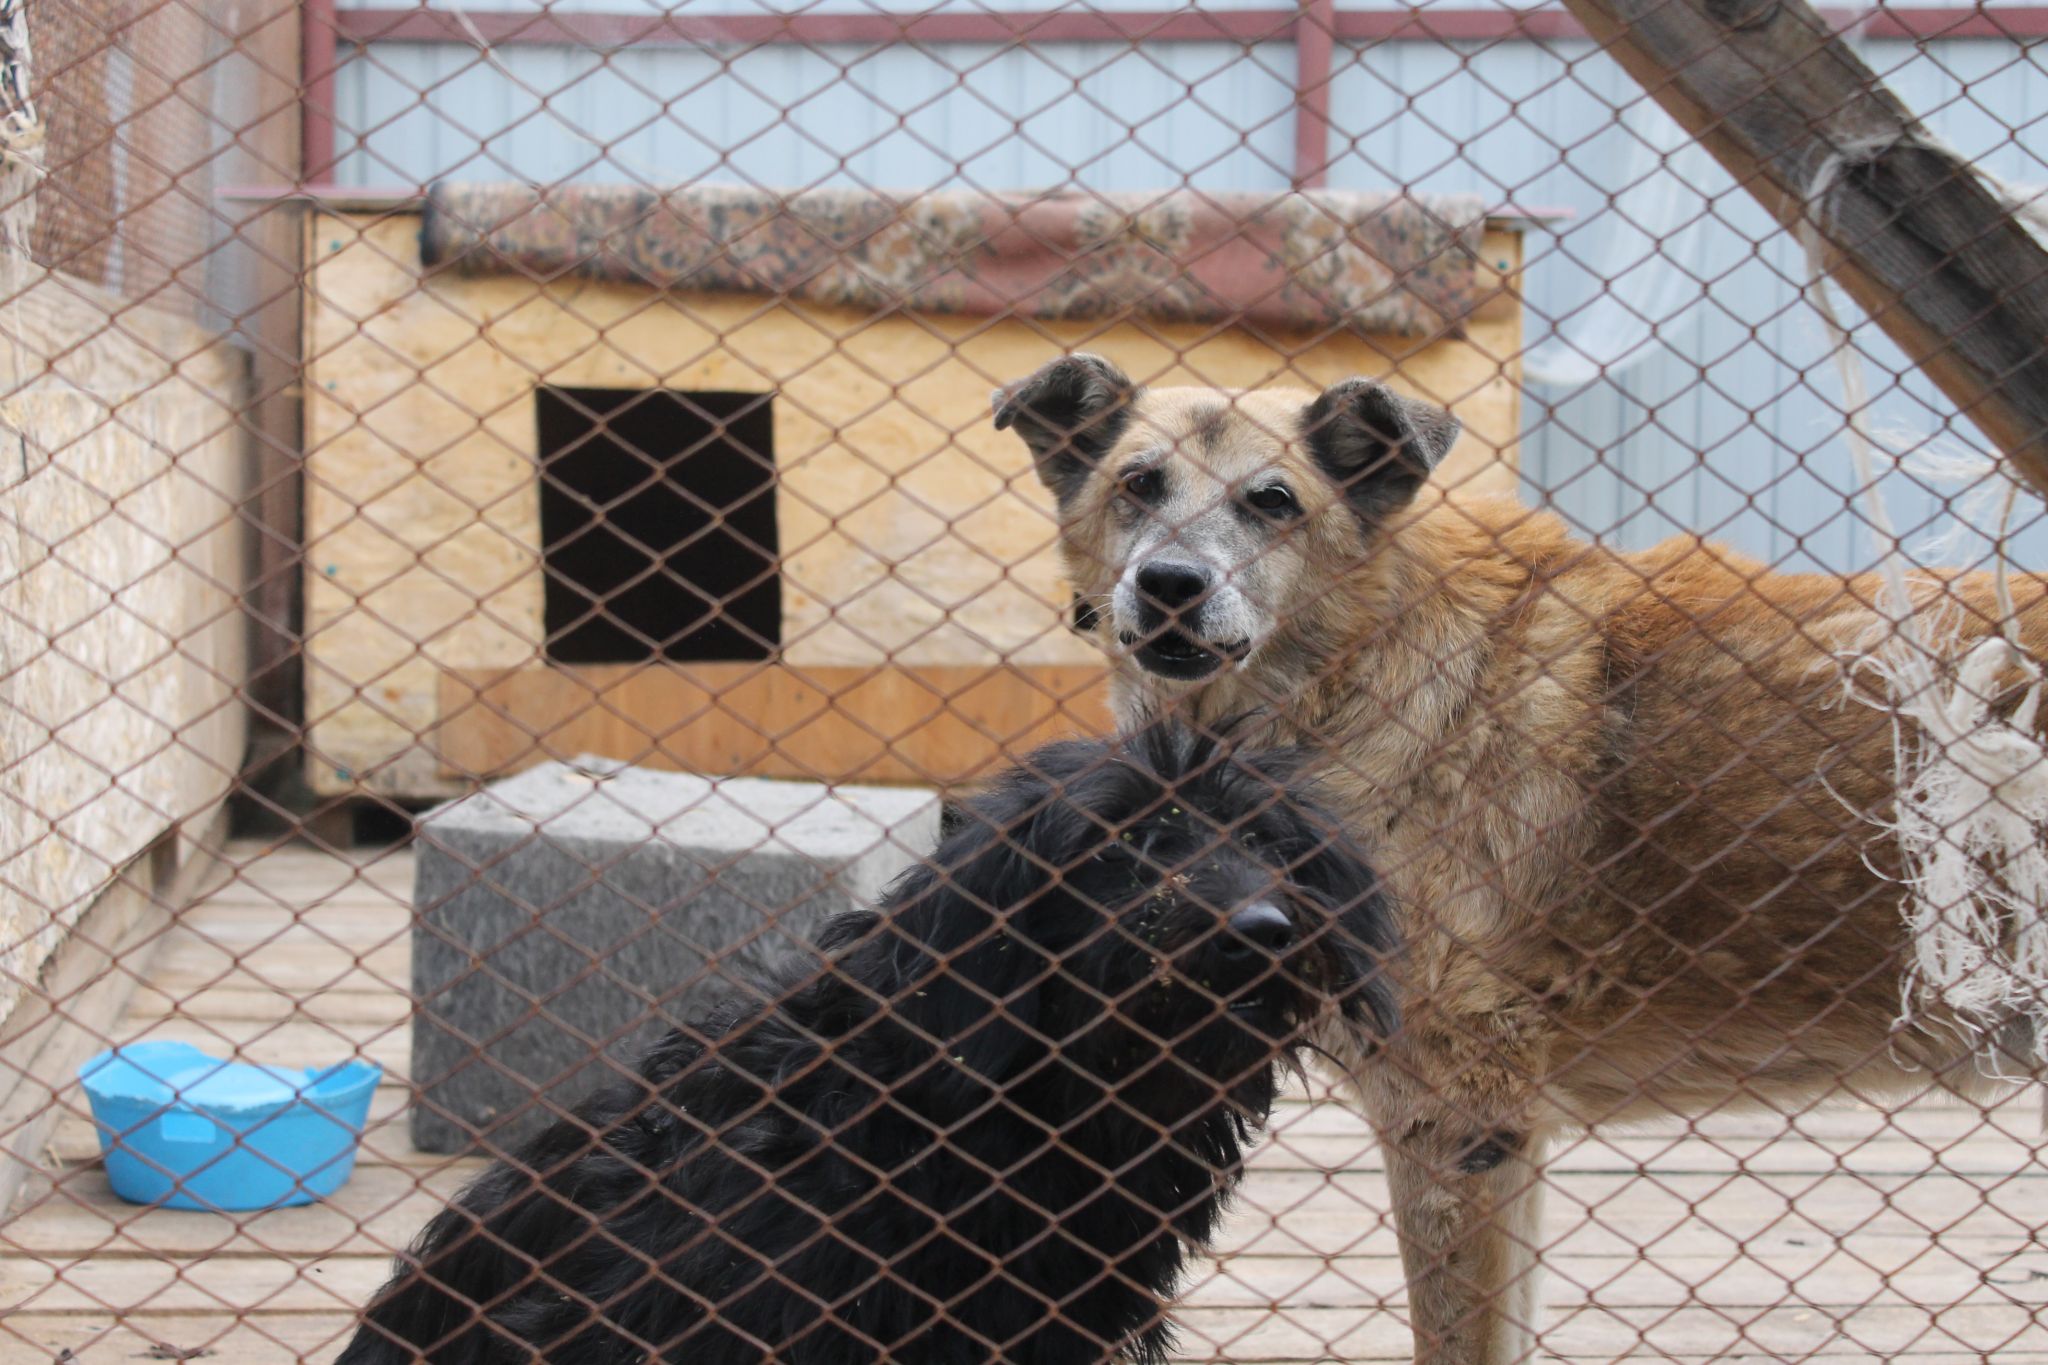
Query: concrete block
(567, 916)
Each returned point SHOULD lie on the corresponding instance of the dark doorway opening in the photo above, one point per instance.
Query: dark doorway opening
(657, 521)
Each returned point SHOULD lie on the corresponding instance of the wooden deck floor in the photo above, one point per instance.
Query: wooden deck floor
(1847, 1234)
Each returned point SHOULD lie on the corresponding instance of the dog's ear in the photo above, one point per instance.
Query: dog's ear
(1069, 413)
(1374, 444)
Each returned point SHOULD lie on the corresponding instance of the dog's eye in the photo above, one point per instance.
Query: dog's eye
(1145, 484)
(1275, 500)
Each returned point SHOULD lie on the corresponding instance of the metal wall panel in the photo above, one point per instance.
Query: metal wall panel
(1736, 391)
(1095, 114)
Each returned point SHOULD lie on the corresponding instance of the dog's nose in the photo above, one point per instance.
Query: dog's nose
(1263, 926)
(1171, 586)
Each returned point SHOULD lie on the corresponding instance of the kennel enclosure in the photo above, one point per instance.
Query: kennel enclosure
(506, 455)
(911, 629)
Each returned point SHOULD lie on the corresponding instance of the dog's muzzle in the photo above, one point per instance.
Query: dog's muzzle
(1261, 928)
(1169, 640)
(1258, 947)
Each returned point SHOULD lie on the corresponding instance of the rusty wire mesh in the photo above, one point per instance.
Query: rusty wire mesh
(550, 415)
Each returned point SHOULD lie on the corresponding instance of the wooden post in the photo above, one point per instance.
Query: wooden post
(1924, 246)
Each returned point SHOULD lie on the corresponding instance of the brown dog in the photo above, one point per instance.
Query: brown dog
(1618, 796)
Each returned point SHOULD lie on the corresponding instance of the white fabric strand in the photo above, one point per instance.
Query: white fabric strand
(1972, 787)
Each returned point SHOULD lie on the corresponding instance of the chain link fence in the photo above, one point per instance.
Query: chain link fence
(525, 524)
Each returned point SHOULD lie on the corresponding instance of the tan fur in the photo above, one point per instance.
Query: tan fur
(1599, 785)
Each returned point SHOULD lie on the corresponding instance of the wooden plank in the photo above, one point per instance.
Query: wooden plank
(315, 1339)
(1793, 1332)
(74, 1143)
(129, 1286)
(1698, 1227)
(1238, 1291)
(1632, 1286)
(259, 1004)
(248, 1339)
(84, 991)
(1916, 239)
(297, 866)
(1349, 1148)
(298, 1310)
(1738, 1284)
(81, 1221)
(331, 925)
(378, 1211)
(1239, 1334)
(305, 963)
(1888, 1219)
(361, 897)
(1933, 1120)
(938, 724)
(1982, 1155)
(1923, 1139)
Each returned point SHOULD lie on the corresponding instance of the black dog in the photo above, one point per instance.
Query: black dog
(990, 1129)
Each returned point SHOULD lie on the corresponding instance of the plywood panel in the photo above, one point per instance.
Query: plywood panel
(931, 724)
(121, 474)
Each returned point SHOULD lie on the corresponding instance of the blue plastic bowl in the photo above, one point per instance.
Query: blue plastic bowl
(184, 1130)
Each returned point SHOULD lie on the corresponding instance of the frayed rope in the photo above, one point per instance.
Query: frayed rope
(1972, 786)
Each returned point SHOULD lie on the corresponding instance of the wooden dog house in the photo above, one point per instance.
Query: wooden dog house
(738, 508)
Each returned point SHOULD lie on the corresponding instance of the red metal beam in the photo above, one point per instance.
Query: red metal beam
(1315, 45)
(1454, 25)
(1917, 23)
(318, 32)
(614, 29)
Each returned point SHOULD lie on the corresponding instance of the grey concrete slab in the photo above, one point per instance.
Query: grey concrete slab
(569, 915)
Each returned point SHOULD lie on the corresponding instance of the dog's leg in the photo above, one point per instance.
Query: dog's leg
(1468, 1209)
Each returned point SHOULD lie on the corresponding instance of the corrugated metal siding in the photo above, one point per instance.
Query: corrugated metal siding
(1729, 423)
(787, 115)
(1732, 425)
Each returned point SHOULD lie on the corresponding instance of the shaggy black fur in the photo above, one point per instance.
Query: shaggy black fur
(990, 1129)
